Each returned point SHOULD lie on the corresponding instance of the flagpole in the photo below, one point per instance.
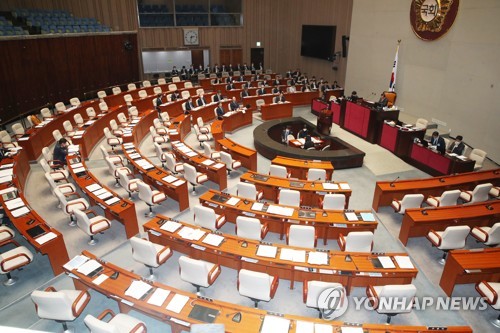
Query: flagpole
(392, 82)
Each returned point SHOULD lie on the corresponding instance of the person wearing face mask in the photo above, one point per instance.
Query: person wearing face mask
(457, 147)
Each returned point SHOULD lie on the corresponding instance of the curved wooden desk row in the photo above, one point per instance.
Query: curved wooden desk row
(113, 205)
(251, 318)
(386, 191)
(237, 253)
(310, 191)
(470, 266)
(55, 248)
(328, 224)
(247, 156)
(297, 98)
(418, 222)
(300, 167)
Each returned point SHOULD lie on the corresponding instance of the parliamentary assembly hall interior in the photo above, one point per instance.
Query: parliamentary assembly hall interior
(249, 166)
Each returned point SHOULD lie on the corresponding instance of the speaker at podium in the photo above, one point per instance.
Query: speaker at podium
(324, 121)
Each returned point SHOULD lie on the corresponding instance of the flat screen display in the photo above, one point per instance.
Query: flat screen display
(318, 41)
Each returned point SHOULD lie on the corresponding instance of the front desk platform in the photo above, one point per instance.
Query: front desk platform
(267, 140)
(436, 164)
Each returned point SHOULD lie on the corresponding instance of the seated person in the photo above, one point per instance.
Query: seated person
(220, 111)
(188, 105)
(457, 147)
(354, 96)
(230, 86)
(61, 151)
(174, 71)
(245, 93)
(302, 133)
(175, 96)
(201, 100)
(382, 102)
(217, 80)
(276, 90)
(308, 143)
(229, 79)
(158, 102)
(335, 85)
(234, 106)
(325, 86)
(261, 91)
(284, 134)
(305, 88)
(280, 98)
(437, 142)
(292, 88)
(218, 97)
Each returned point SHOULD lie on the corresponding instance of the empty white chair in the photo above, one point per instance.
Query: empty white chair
(301, 236)
(251, 228)
(160, 154)
(157, 90)
(257, 286)
(408, 201)
(421, 123)
(65, 188)
(206, 217)
(185, 94)
(133, 113)
(45, 112)
(13, 259)
(200, 136)
(6, 233)
(128, 99)
(192, 176)
(356, 241)
(30, 119)
(333, 201)
(78, 119)
(112, 140)
(103, 107)
(289, 198)
(279, 171)
(489, 291)
(207, 150)
(201, 125)
(126, 180)
(200, 91)
(149, 196)
(495, 192)
(116, 90)
(57, 175)
(122, 119)
(248, 191)
(159, 127)
(116, 159)
(176, 79)
(231, 164)
(146, 83)
(143, 94)
(479, 156)
(91, 112)
(74, 101)
(312, 290)
(115, 128)
(120, 323)
(150, 254)
(172, 87)
(68, 128)
(490, 236)
(57, 135)
(188, 85)
(165, 118)
(101, 94)
(7, 140)
(162, 81)
(448, 198)
(61, 306)
(479, 194)
(259, 103)
(18, 130)
(60, 107)
(392, 299)
(113, 167)
(451, 238)
(156, 137)
(172, 164)
(131, 86)
(198, 272)
(93, 225)
(71, 202)
(316, 174)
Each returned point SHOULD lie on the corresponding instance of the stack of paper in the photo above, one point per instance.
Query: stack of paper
(279, 210)
(330, 186)
(170, 226)
(318, 258)
(169, 179)
(20, 211)
(386, 262)
(213, 239)
(207, 162)
(93, 187)
(257, 206)
(177, 303)
(293, 255)
(233, 201)
(345, 186)
(323, 328)
(267, 251)
(89, 267)
(351, 216)
(219, 165)
(368, 217)
(158, 297)
(75, 262)
(137, 289)
(45, 238)
(404, 262)
(304, 327)
(351, 330)
(274, 324)
(191, 234)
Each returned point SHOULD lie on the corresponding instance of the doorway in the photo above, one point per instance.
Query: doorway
(257, 56)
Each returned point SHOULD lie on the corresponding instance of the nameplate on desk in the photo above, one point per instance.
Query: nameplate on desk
(154, 233)
(260, 177)
(219, 198)
(472, 271)
(250, 260)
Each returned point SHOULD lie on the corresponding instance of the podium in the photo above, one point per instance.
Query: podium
(324, 122)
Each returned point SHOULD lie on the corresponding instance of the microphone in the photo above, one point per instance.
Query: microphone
(392, 183)
(236, 316)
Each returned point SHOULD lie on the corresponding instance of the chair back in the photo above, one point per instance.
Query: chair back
(60, 107)
(165, 116)
(172, 87)
(90, 112)
(194, 271)
(207, 150)
(47, 155)
(143, 94)
(114, 125)
(45, 165)
(246, 190)
(57, 135)
(104, 151)
(133, 112)
(189, 173)
(278, 171)
(289, 198)
(315, 288)
(131, 86)
(162, 81)
(123, 178)
(82, 220)
(67, 126)
(99, 326)
(391, 97)
(334, 201)
(205, 217)
(411, 201)
(111, 165)
(143, 251)
(302, 236)
(188, 84)
(254, 284)
(78, 119)
(158, 151)
(227, 159)
(146, 83)
(359, 241)
(128, 98)
(290, 137)
(449, 198)
(116, 90)
(17, 128)
(260, 102)
(54, 305)
(145, 192)
(170, 161)
(185, 94)
(200, 91)
(480, 192)
(454, 237)
(157, 90)
(176, 79)
(107, 132)
(45, 112)
(50, 180)
(248, 227)
(396, 298)
(421, 123)
(101, 94)
(494, 235)
(74, 101)
(200, 122)
(477, 155)
(316, 174)
(121, 118)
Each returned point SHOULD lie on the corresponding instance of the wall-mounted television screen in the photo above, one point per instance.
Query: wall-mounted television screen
(318, 41)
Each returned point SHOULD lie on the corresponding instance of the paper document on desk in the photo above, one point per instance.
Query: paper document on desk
(14, 203)
(93, 187)
(213, 239)
(112, 201)
(207, 162)
(330, 186)
(318, 258)
(100, 279)
(257, 206)
(404, 262)
(274, 324)
(351, 216)
(45, 238)
(279, 210)
(76, 262)
(8, 190)
(177, 303)
(368, 217)
(267, 251)
(351, 330)
(170, 226)
(6, 166)
(386, 262)
(191, 234)
(105, 195)
(219, 165)
(138, 289)
(6, 172)
(89, 267)
(304, 327)
(192, 154)
(233, 201)
(344, 186)
(99, 191)
(80, 169)
(158, 297)
(179, 182)
(323, 328)
(169, 179)
(20, 211)
(5, 179)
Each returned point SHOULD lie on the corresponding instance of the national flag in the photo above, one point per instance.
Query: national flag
(392, 83)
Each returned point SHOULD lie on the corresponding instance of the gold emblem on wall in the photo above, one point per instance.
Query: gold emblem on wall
(431, 19)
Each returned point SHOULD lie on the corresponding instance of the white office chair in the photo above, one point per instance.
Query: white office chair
(188, 84)
(157, 138)
(101, 94)
(126, 180)
(301, 236)
(157, 90)
(112, 140)
(316, 174)
(172, 164)
(193, 177)
(356, 241)
(259, 103)
(133, 113)
(231, 164)
(74, 101)
(479, 156)
(198, 272)
(150, 254)
(116, 90)
(248, 191)
(279, 171)
(200, 91)
(131, 87)
(207, 151)
(176, 79)
(65, 188)
(289, 197)
(185, 94)
(200, 136)
(478, 194)
(60, 107)
(30, 120)
(421, 123)
(257, 286)
(251, 228)
(451, 238)
(495, 192)
(165, 118)
(172, 87)
(204, 129)
(18, 130)
(13, 259)
(57, 175)
(91, 112)
(78, 120)
(7, 140)
(448, 198)
(490, 236)
(489, 291)
(149, 196)
(312, 290)
(113, 168)
(119, 323)
(70, 202)
(122, 119)
(61, 306)
(206, 217)
(143, 94)
(68, 128)
(103, 107)
(333, 201)
(159, 127)
(58, 136)
(408, 201)
(6, 233)
(115, 128)
(45, 113)
(403, 296)
(93, 225)
(116, 159)
(48, 157)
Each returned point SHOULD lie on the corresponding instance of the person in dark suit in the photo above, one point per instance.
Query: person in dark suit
(218, 97)
(219, 111)
(276, 90)
(457, 147)
(276, 82)
(245, 93)
(234, 106)
(184, 73)
(302, 133)
(174, 96)
(191, 70)
(354, 96)
(217, 80)
(188, 105)
(280, 98)
(61, 151)
(174, 71)
(158, 102)
(230, 86)
(229, 79)
(201, 100)
(261, 91)
(335, 85)
(308, 142)
(382, 102)
(285, 133)
(438, 142)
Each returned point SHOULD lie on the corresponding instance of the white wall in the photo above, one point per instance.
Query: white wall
(164, 61)
(454, 79)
